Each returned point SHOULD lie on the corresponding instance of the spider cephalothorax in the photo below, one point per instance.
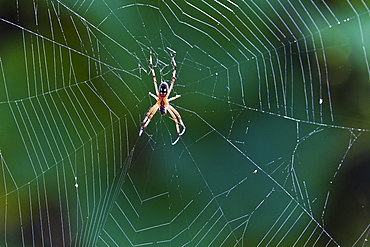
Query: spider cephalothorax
(163, 89)
(162, 93)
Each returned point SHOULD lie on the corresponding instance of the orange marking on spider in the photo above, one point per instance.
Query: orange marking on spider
(162, 93)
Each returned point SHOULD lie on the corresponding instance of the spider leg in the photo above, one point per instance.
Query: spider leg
(154, 96)
(153, 72)
(173, 74)
(148, 117)
(173, 98)
(177, 126)
(178, 121)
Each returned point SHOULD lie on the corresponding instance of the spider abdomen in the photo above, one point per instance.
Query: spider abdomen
(162, 108)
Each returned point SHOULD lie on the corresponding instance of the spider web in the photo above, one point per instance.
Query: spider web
(275, 98)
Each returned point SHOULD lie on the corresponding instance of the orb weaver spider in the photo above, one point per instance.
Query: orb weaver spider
(162, 93)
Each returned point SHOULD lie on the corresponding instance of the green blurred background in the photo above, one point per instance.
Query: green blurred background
(275, 97)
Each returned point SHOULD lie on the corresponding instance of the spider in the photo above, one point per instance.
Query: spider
(162, 93)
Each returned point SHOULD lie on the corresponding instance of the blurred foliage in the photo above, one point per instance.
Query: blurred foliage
(74, 86)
